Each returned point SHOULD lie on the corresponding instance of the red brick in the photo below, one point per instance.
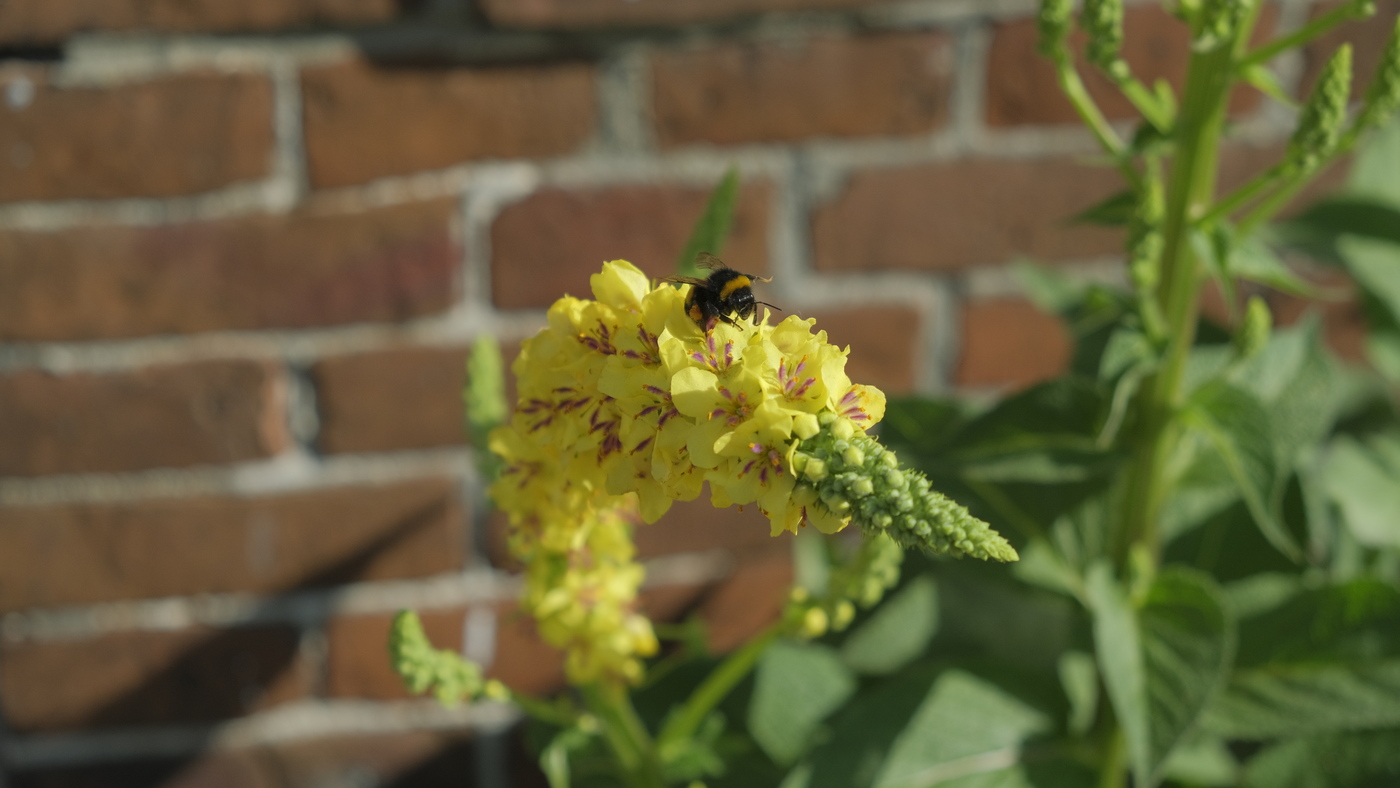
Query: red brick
(406, 398)
(358, 662)
(750, 599)
(629, 13)
(176, 135)
(191, 414)
(1009, 342)
(956, 214)
(71, 555)
(49, 21)
(364, 122)
(884, 343)
(826, 86)
(1367, 37)
(551, 242)
(256, 272)
(149, 678)
(1022, 87)
(695, 526)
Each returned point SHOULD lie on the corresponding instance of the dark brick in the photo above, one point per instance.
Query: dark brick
(405, 398)
(957, 214)
(365, 122)
(826, 86)
(149, 678)
(191, 414)
(296, 271)
(629, 13)
(550, 243)
(49, 21)
(884, 342)
(71, 555)
(1009, 342)
(169, 136)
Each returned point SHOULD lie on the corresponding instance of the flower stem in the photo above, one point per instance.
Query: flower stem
(1092, 117)
(1299, 37)
(715, 688)
(625, 734)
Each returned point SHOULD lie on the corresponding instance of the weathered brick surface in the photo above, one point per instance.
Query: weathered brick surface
(1022, 87)
(1009, 342)
(177, 135)
(1367, 38)
(48, 21)
(750, 599)
(552, 241)
(70, 555)
(825, 86)
(956, 214)
(253, 272)
(358, 668)
(190, 414)
(416, 759)
(364, 122)
(149, 678)
(406, 398)
(694, 526)
(629, 13)
(884, 342)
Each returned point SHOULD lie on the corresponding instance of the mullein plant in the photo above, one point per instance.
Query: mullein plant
(625, 404)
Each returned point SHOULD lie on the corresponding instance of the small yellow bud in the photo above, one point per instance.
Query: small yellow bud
(845, 613)
(805, 426)
(495, 690)
(814, 623)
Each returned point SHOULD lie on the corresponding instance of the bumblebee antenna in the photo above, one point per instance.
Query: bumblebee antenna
(765, 303)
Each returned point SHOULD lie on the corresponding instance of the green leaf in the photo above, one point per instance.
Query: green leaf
(1265, 81)
(1239, 428)
(1115, 211)
(795, 687)
(1202, 761)
(1252, 260)
(1212, 246)
(1307, 699)
(1347, 215)
(1363, 479)
(1373, 171)
(964, 726)
(712, 229)
(1079, 676)
(1352, 760)
(554, 760)
(898, 632)
(1376, 267)
(1163, 663)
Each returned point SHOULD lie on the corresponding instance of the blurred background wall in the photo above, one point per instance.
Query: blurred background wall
(245, 243)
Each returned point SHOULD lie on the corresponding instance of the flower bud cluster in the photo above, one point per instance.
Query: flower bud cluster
(451, 678)
(861, 580)
(1053, 24)
(845, 474)
(1103, 21)
(1323, 116)
(1383, 95)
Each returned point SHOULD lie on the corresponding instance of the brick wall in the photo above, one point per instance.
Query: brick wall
(243, 246)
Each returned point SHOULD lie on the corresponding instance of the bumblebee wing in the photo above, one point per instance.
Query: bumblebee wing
(708, 262)
(683, 280)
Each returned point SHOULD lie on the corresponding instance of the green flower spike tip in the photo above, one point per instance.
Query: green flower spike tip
(846, 473)
(1054, 23)
(1383, 96)
(1103, 21)
(1320, 125)
(451, 678)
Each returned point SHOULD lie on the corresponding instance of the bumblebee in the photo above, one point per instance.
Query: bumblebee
(723, 292)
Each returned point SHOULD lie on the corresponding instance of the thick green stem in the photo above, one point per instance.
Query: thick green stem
(625, 734)
(716, 686)
(1190, 191)
(1113, 771)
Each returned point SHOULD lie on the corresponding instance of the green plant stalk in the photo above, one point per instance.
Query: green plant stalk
(625, 734)
(715, 688)
(1190, 192)
(1092, 117)
(1298, 37)
(1243, 195)
(1141, 98)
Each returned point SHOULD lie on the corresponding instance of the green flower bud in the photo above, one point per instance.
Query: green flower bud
(1103, 21)
(1053, 24)
(805, 426)
(853, 456)
(814, 470)
(844, 614)
(1383, 95)
(1218, 21)
(842, 430)
(1320, 125)
(863, 487)
(814, 623)
(1254, 331)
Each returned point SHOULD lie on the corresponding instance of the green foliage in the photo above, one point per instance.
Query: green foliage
(422, 667)
(712, 228)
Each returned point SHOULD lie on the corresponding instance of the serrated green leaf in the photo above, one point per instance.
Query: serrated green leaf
(965, 725)
(712, 229)
(795, 687)
(898, 632)
(1115, 211)
(1307, 699)
(1240, 430)
(1363, 480)
(1353, 760)
(1252, 260)
(1163, 663)
(1376, 267)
